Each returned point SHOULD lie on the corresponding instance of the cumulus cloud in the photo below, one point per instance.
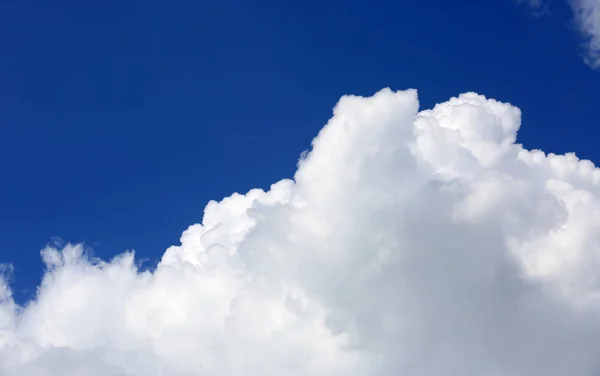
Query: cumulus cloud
(417, 243)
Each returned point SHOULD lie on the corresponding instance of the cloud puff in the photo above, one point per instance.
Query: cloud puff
(409, 243)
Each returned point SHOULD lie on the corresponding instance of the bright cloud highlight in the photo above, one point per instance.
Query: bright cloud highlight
(416, 243)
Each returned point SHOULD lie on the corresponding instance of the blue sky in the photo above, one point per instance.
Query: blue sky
(122, 119)
(413, 243)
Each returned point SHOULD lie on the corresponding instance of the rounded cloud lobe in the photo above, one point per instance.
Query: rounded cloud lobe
(410, 242)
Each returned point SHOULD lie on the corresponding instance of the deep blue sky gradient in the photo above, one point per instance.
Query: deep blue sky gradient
(119, 120)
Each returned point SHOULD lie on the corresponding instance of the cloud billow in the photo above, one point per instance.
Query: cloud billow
(420, 243)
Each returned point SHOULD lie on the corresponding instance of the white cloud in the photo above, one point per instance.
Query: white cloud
(409, 243)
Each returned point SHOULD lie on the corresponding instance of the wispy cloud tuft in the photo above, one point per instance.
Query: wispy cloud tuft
(587, 19)
(587, 15)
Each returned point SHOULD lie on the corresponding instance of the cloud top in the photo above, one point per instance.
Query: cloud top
(409, 242)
